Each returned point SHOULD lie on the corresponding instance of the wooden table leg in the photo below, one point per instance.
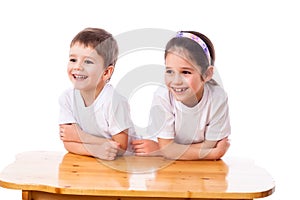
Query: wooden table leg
(26, 195)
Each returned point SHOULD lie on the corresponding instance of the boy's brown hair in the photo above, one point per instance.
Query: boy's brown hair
(100, 40)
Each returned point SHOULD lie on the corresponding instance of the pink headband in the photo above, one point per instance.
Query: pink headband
(196, 39)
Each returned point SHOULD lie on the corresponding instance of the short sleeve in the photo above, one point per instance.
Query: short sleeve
(65, 106)
(219, 123)
(161, 120)
(119, 118)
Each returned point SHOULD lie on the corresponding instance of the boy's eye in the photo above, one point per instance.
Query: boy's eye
(168, 71)
(88, 62)
(186, 72)
(72, 60)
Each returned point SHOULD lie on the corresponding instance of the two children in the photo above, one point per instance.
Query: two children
(189, 116)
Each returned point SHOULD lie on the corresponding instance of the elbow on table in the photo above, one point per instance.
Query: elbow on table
(68, 147)
(220, 149)
(75, 148)
(217, 153)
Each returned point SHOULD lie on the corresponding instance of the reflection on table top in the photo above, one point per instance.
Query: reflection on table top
(66, 173)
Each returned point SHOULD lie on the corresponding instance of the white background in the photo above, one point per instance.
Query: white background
(257, 56)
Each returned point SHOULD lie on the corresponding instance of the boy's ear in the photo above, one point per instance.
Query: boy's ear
(108, 72)
(209, 73)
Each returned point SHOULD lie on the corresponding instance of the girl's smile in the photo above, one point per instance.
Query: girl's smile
(183, 80)
(179, 90)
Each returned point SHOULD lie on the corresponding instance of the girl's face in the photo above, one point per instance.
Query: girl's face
(183, 80)
(85, 69)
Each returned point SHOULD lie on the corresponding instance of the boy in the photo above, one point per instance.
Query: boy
(94, 119)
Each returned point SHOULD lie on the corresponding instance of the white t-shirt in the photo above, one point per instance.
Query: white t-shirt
(107, 116)
(208, 120)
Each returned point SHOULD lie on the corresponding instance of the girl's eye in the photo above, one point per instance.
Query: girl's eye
(88, 62)
(186, 72)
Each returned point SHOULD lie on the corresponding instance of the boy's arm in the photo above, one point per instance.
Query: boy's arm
(207, 150)
(122, 139)
(73, 133)
(77, 141)
(105, 151)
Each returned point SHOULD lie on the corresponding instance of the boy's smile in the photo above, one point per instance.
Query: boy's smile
(85, 69)
(79, 77)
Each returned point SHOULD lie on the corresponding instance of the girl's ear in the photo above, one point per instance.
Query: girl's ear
(209, 73)
(108, 73)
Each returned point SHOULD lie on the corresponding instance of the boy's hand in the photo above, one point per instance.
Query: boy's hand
(69, 132)
(106, 151)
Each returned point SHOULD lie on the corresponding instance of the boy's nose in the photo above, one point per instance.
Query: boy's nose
(78, 66)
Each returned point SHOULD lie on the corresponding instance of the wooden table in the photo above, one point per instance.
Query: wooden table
(58, 175)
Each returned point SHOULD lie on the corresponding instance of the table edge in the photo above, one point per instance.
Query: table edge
(135, 193)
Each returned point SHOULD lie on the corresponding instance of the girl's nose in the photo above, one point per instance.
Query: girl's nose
(177, 79)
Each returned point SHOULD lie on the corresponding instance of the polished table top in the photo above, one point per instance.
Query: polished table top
(66, 173)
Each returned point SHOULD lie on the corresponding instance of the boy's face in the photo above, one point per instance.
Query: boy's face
(183, 80)
(85, 69)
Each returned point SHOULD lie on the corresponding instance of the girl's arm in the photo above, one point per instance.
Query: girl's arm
(207, 150)
(145, 147)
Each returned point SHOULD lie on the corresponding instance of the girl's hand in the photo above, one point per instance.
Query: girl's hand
(69, 132)
(144, 147)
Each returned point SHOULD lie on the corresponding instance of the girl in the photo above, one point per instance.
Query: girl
(190, 115)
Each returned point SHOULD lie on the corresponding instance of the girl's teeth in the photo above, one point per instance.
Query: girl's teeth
(179, 89)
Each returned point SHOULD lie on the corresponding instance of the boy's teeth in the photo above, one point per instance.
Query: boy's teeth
(80, 76)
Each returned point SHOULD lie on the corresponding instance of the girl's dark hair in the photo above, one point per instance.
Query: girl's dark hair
(100, 40)
(192, 50)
